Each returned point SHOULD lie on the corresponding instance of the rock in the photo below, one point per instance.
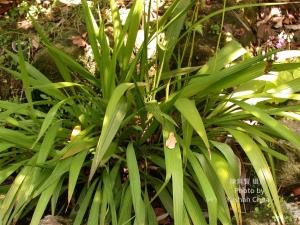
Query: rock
(293, 209)
(55, 220)
(49, 220)
(44, 62)
(294, 125)
(250, 220)
(288, 173)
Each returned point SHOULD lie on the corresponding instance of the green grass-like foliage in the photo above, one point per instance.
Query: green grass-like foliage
(142, 142)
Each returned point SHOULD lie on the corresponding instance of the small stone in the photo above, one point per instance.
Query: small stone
(49, 220)
(55, 220)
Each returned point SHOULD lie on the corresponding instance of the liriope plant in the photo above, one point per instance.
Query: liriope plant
(109, 147)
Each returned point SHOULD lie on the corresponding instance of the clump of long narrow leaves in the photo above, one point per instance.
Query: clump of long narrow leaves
(114, 145)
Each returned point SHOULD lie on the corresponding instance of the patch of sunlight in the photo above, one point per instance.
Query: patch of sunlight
(281, 56)
(242, 93)
(252, 123)
(285, 93)
(151, 47)
(282, 95)
(271, 77)
(70, 2)
(291, 115)
(228, 104)
(254, 101)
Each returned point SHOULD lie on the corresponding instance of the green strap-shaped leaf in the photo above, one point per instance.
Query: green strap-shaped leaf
(75, 66)
(226, 176)
(153, 107)
(173, 31)
(49, 119)
(16, 137)
(193, 208)
(75, 167)
(125, 207)
(102, 59)
(85, 204)
(60, 169)
(103, 208)
(232, 159)
(187, 132)
(174, 169)
(131, 28)
(56, 85)
(51, 92)
(151, 217)
(114, 115)
(274, 153)
(164, 196)
(36, 76)
(188, 109)
(56, 194)
(31, 183)
(276, 126)
(287, 89)
(108, 192)
(116, 20)
(80, 143)
(135, 185)
(95, 208)
(42, 203)
(18, 108)
(208, 190)
(262, 170)
(223, 209)
(5, 173)
(48, 142)
(239, 73)
(226, 55)
(8, 203)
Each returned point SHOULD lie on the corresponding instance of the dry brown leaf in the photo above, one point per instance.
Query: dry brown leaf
(78, 41)
(296, 191)
(171, 141)
(162, 216)
(293, 27)
(84, 35)
(25, 24)
(4, 2)
(35, 42)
